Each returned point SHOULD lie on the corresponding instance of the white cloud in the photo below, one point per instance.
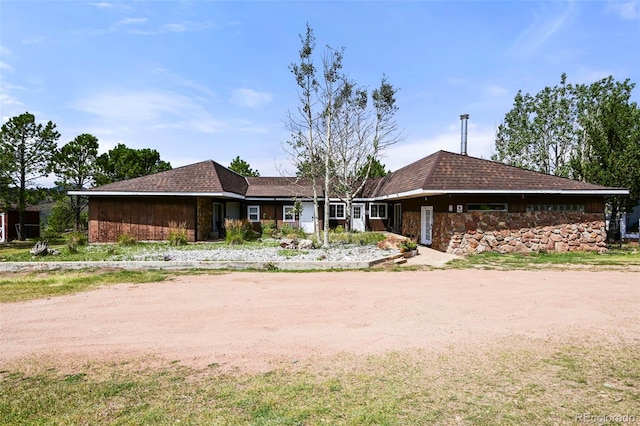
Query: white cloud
(627, 10)
(149, 109)
(541, 30)
(34, 40)
(250, 98)
(497, 91)
(480, 143)
(176, 27)
(102, 5)
(131, 21)
(5, 66)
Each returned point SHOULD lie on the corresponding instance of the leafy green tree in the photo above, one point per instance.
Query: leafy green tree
(539, 132)
(123, 163)
(376, 168)
(25, 155)
(610, 153)
(61, 217)
(75, 166)
(242, 167)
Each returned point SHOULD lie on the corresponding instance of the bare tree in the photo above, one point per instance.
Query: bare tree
(311, 125)
(363, 131)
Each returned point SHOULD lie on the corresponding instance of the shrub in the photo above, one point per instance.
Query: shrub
(76, 239)
(291, 231)
(407, 245)
(268, 228)
(126, 240)
(178, 233)
(239, 231)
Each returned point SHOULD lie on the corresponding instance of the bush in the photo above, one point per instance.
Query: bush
(359, 238)
(126, 240)
(239, 231)
(178, 233)
(60, 219)
(76, 239)
(290, 231)
(268, 228)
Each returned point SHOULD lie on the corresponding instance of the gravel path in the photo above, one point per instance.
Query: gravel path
(333, 254)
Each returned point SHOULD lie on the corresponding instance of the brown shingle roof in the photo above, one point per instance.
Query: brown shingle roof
(438, 173)
(445, 171)
(280, 187)
(204, 177)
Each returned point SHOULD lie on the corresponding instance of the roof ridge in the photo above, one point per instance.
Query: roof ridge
(437, 160)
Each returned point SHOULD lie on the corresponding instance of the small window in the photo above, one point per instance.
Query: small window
(555, 208)
(494, 207)
(336, 211)
(288, 213)
(377, 211)
(253, 212)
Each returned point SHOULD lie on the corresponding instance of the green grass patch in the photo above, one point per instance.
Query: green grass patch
(541, 384)
(491, 260)
(16, 287)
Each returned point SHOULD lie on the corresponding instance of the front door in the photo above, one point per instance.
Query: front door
(397, 218)
(357, 217)
(306, 218)
(2, 228)
(426, 224)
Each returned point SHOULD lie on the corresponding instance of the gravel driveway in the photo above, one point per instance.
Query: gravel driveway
(253, 321)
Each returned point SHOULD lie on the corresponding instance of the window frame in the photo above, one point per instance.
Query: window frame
(257, 213)
(335, 211)
(292, 213)
(377, 215)
(504, 207)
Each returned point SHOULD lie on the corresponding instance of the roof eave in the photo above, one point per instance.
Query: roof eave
(156, 194)
(426, 192)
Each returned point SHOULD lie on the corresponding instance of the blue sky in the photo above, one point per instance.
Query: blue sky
(201, 80)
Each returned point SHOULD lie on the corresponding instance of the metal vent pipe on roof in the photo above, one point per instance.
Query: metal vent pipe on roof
(463, 133)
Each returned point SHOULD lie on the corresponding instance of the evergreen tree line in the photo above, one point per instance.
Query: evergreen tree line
(29, 151)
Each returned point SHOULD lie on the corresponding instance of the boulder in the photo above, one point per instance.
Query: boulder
(305, 244)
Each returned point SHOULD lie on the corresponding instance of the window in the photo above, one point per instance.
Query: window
(377, 211)
(288, 213)
(555, 207)
(336, 211)
(253, 212)
(495, 207)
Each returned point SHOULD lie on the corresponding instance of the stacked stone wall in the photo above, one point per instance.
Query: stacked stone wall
(503, 232)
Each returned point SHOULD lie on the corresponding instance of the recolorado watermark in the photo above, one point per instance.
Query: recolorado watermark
(605, 418)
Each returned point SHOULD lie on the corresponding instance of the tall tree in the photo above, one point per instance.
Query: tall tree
(123, 163)
(305, 145)
(242, 167)
(335, 128)
(375, 167)
(538, 133)
(610, 152)
(362, 131)
(75, 166)
(25, 155)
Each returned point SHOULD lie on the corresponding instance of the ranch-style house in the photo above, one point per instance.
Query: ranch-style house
(451, 202)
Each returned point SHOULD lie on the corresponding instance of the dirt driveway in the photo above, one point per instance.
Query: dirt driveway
(251, 321)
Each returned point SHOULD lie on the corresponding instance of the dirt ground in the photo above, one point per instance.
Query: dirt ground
(253, 321)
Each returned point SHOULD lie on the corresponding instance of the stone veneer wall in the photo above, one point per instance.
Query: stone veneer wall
(503, 232)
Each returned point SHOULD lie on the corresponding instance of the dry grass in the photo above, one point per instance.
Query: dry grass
(512, 382)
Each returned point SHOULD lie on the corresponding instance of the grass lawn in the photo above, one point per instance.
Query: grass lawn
(508, 383)
(542, 385)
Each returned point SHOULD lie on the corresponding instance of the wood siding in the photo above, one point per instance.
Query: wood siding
(146, 218)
